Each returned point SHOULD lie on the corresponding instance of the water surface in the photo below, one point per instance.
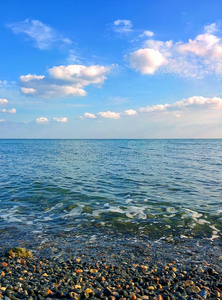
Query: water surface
(152, 188)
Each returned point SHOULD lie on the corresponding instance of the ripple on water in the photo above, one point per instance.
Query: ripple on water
(154, 188)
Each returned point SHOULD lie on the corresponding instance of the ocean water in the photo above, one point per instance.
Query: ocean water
(156, 189)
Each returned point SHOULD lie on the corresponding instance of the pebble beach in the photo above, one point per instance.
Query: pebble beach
(132, 269)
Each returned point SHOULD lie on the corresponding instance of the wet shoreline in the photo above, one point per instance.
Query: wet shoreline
(116, 268)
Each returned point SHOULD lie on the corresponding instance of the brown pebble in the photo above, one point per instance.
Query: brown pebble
(134, 297)
(79, 271)
(4, 264)
(193, 289)
(188, 283)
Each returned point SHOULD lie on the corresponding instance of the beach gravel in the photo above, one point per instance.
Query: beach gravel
(108, 277)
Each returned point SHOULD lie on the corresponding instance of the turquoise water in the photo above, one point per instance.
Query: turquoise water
(152, 188)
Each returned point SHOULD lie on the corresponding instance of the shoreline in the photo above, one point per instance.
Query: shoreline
(119, 269)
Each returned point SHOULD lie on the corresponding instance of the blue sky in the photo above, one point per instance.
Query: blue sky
(110, 69)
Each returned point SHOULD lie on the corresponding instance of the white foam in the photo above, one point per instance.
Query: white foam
(171, 210)
(9, 215)
(128, 201)
(55, 206)
(202, 221)
(75, 211)
(170, 216)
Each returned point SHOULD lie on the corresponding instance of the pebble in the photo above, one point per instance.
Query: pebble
(203, 294)
(193, 289)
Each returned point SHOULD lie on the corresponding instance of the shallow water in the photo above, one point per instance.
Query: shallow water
(152, 188)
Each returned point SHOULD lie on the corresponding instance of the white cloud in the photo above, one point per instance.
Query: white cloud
(1, 120)
(28, 91)
(31, 77)
(3, 101)
(9, 111)
(211, 28)
(122, 26)
(147, 33)
(147, 60)
(79, 74)
(3, 83)
(196, 58)
(63, 81)
(204, 45)
(214, 102)
(130, 112)
(63, 120)
(44, 36)
(89, 115)
(155, 108)
(109, 115)
(175, 109)
(41, 120)
(194, 101)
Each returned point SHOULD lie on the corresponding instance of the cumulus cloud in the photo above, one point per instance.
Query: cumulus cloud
(9, 111)
(147, 60)
(44, 36)
(214, 102)
(62, 120)
(109, 115)
(89, 115)
(41, 120)
(196, 58)
(203, 104)
(154, 108)
(130, 112)
(122, 26)
(3, 101)
(147, 33)
(63, 81)
(204, 45)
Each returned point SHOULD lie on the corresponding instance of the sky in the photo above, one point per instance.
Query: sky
(111, 69)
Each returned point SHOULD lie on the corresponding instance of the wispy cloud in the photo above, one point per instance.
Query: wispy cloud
(196, 58)
(3, 84)
(9, 111)
(146, 33)
(63, 81)
(44, 36)
(122, 26)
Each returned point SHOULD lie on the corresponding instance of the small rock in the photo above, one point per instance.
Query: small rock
(19, 252)
(203, 294)
(193, 289)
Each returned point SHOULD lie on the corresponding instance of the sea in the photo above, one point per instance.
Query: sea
(65, 190)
